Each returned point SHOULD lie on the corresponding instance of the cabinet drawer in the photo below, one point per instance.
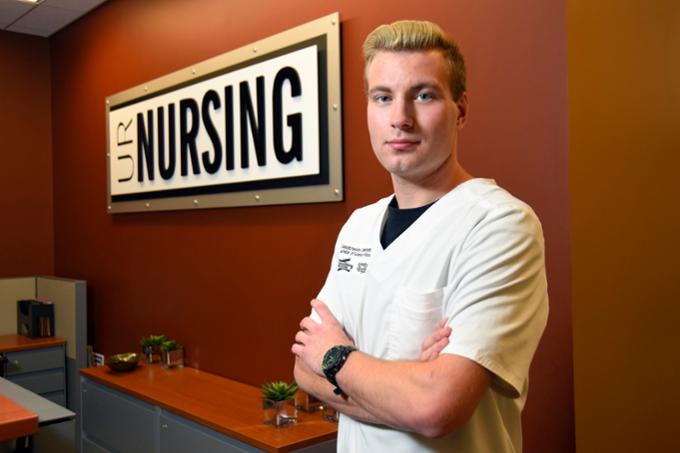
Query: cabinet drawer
(179, 435)
(116, 421)
(43, 382)
(34, 360)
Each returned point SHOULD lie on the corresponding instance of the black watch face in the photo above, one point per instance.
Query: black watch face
(331, 358)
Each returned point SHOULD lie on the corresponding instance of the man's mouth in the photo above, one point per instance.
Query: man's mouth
(402, 143)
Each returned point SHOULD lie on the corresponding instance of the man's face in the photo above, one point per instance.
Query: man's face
(413, 120)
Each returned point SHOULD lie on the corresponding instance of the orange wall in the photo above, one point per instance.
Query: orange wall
(27, 223)
(624, 102)
(233, 283)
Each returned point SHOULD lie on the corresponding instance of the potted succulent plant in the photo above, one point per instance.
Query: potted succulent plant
(151, 347)
(278, 403)
(172, 354)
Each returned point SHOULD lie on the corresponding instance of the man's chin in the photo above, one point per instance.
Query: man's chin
(398, 165)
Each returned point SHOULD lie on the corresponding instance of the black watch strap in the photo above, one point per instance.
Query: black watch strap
(333, 361)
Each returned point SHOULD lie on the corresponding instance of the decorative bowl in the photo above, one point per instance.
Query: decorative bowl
(122, 362)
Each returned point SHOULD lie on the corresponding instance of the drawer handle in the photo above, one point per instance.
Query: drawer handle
(164, 426)
(15, 362)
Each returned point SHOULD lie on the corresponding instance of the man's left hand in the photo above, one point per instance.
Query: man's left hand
(435, 343)
(314, 339)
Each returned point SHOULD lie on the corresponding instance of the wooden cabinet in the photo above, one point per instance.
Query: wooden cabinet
(37, 365)
(153, 410)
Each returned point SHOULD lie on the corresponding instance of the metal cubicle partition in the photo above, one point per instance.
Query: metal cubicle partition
(70, 305)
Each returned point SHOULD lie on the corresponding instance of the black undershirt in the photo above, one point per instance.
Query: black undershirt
(398, 220)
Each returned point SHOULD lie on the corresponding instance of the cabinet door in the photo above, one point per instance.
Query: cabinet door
(116, 421)
(91, 447)
(179, 435)
(330, 446)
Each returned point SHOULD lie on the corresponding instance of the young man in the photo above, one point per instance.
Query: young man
(446, 245)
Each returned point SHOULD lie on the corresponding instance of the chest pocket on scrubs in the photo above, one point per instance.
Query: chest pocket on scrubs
(414, 318)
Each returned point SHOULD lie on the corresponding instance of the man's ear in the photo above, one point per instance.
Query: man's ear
(463, 108)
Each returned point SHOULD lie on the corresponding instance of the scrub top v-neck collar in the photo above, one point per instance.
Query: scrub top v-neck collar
(386, 261)
(399, 220)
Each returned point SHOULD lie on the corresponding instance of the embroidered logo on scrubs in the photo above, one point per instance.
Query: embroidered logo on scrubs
(343, 265)
(359, 253)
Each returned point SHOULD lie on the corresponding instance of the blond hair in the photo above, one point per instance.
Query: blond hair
(412, 35)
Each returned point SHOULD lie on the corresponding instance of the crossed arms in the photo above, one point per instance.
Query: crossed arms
(433, 396)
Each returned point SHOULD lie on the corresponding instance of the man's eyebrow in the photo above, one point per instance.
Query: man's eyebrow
(426, 85)
(379, 89)
(416, 87)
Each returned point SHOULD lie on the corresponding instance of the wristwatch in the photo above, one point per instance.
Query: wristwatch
(333, 361)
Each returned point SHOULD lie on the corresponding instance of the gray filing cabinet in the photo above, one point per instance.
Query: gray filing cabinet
(112, 421)
(116, 422)
(179, 435)
(40, 370)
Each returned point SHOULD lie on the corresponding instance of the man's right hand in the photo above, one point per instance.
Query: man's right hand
(435, 343)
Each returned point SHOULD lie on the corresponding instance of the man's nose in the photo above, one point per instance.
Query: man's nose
(402, 114)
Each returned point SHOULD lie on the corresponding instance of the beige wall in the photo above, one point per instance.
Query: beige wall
(624, 102)
(12, 290)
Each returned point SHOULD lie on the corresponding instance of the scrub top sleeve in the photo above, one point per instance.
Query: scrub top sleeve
(496, 300)
(328, 295)
(329, 292)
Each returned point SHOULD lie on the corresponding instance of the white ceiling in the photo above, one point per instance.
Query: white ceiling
(43, 18)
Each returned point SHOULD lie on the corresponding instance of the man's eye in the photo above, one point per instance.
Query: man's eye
(424, 96)
(381, 98)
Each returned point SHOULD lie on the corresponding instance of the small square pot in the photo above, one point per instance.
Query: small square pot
(306, 402)
(172, 359)
(279, 413)
(152, 354)
(330, 414)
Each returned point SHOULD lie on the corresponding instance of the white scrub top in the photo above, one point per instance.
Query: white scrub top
(475, 256)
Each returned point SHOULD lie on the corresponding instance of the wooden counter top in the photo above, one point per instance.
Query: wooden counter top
(15, 420)
(13, 343)
(227, 406)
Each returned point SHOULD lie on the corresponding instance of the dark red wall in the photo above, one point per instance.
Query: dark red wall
(232, 284)
(26, 219)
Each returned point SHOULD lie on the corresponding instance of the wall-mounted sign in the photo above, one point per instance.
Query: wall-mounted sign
(258, 125)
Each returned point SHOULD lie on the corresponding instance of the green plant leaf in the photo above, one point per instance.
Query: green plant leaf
(152, 340)
(278, 390)
(170, 345)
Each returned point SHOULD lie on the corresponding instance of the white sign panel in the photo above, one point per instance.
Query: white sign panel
(258, 125)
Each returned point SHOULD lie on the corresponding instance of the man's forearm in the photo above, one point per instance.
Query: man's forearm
(432, 398)
(318, 386)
